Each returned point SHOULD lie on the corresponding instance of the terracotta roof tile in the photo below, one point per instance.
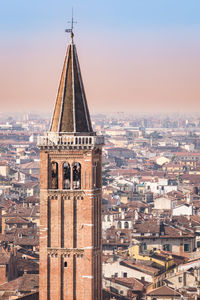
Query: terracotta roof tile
(163, 291)
(141, 267)
(17, 220)
(25, 283)
(4, 258)
(71, 114)
(130, 282)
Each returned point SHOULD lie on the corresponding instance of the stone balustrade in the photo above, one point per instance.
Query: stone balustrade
(66, 141)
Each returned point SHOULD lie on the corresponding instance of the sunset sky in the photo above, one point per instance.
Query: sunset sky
(135, 55)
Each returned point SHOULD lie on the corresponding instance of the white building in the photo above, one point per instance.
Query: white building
(163, 186)
(164, 202)
(115, 269)
(183, 210)
(4, 170)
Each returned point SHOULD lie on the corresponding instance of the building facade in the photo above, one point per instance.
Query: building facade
(70, 195)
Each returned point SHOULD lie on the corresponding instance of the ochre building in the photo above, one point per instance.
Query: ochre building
(70, 195)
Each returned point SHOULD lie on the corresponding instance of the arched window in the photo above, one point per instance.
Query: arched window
(119, 224)
(77, 176)
(66, 176)
(65, 264)
(126, 225)
(54, 175)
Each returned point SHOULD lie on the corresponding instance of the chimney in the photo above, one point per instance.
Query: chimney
(198, 291)
(162, 228)
(184, 279)
(189, 198)
(142, 279)
(136, 215)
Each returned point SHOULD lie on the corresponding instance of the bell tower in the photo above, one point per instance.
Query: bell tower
(70, 195)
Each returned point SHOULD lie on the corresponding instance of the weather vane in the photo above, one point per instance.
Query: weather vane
(71, 30)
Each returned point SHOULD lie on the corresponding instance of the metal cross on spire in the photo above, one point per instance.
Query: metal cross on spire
(71, 30)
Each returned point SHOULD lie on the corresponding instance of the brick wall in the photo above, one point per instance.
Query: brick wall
(70, 223)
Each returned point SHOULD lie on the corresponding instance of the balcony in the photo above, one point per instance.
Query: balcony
(54, 140)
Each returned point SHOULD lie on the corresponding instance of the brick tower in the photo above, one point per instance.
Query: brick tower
(70, 195)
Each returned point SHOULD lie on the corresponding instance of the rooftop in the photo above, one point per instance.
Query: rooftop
(71, 114)
(163, 291)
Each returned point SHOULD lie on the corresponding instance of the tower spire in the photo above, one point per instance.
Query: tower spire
(71, 29)
(70, 194)
(71, 114)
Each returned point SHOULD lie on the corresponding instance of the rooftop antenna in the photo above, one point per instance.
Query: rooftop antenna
(71, 30)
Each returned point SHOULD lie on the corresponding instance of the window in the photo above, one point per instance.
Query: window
(119, 224)
(145, 246)
(126, 225)
(114, 290)
(167, 247)
(65, 264)
(186, 247)
(77, 176)
(66, 176)
(54, 175)
(124, 274)
(180, 279)
(116, 275)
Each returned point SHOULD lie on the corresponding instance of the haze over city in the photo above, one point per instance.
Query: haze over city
(135, 56)
(100, 169)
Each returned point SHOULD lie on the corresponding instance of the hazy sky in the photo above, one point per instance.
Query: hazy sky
(135, 55)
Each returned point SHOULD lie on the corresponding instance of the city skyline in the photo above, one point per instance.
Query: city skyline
(140, 57)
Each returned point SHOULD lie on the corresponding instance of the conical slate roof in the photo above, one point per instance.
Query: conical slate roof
(71, 114)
